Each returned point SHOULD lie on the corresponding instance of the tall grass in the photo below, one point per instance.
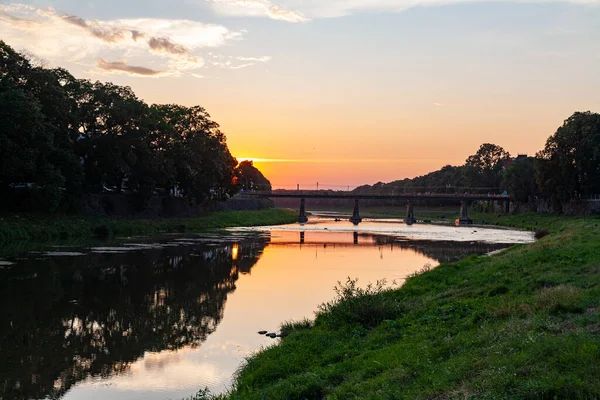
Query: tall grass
(41, 228)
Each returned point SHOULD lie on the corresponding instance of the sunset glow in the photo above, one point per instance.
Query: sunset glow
(337, 92)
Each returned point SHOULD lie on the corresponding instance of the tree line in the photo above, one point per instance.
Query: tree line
(567, 169)
(62, 137)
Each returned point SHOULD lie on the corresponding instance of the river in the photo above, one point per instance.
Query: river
(162, 318)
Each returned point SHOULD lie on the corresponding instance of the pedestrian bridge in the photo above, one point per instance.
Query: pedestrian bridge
(464, 199)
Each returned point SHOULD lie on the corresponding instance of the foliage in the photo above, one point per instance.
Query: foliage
(487, 164)
(250, 178)
(519, 324)
(569, 165)
(61, 137)
(519, 180)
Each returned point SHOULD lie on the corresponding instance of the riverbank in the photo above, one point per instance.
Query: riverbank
(45, 228)
(524, 323)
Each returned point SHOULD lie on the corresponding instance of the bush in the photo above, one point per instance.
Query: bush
(353, 305)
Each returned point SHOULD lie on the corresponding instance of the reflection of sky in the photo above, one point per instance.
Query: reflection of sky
(287, 283)
(412, 232)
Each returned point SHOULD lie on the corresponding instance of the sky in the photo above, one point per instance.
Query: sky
(339, 92)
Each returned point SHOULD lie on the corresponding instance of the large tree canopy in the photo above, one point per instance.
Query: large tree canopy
(569, 165)
(486, 166)
(61, 137)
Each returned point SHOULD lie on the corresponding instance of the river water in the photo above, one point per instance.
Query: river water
(161, 319)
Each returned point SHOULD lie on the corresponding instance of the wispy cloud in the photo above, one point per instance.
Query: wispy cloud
(255, 59)
(123, 67)
(302, 11)
(257, 8)
(106, 34)
(231, 62)
(241, 66)
(153, 46)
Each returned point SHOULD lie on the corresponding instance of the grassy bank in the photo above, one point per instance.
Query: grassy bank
(522, 324)
(44, 228)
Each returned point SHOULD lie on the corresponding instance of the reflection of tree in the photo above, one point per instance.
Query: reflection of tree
(442, 251)
(64, 319)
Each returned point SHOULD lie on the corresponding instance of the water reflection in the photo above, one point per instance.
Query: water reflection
(66, 318)
(142, 323)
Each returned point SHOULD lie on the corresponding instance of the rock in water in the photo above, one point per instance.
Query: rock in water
(272, 335)
(262, 332)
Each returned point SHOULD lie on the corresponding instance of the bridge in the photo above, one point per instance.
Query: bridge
(464, 199)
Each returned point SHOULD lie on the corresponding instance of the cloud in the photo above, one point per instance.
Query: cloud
(109, 35)
(165, 45)
(172, 47)
(231, 62)
(241, 66)
(312, 9)
(123, 67)
(283, 14)
(22, 23)
(256, 59)
(257, 8)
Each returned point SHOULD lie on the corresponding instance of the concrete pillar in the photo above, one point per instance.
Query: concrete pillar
(355, 237)
(356, 219)
(302, 218)
(464, 215)
(410, 214)
(301, 237)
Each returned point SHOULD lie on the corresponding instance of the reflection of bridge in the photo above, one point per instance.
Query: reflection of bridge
(441, 251)
(464, 199)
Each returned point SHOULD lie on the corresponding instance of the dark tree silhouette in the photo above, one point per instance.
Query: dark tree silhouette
(250, 178)
(62, 137)
(569, 165)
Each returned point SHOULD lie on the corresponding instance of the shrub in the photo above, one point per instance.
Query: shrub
(354, 305)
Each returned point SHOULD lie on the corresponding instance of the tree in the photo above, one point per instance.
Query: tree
(485, 167)
(519, 180)
(61, 137)
(569, 165)
(250, 178)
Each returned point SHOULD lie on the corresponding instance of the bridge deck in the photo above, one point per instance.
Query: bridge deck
(403, 196)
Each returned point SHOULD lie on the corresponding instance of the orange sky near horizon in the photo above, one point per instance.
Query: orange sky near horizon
(353, 140)
(349, 92)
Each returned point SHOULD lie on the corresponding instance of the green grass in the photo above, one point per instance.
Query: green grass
(34, 228)
(522, 324)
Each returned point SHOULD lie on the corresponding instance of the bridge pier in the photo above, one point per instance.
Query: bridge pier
(355, 237)
(302, 218)
(410, 214)
(356, 219)
(464, 215)
(301, 237)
